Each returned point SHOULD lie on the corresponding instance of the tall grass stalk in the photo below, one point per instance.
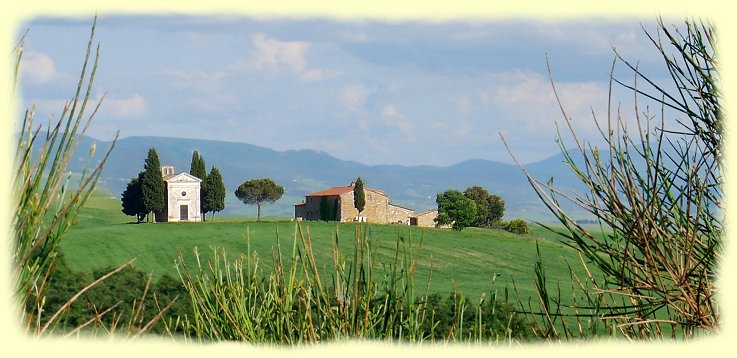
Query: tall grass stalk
(657, 194)
(47, 203)
(302, 301)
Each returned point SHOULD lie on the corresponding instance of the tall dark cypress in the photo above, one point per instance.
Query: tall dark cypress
(152, 184)
(197, 168)
(193, 166)
(359, 196)
(132, 199)
(214, 199)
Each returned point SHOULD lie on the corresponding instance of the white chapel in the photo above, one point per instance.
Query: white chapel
(182, 196)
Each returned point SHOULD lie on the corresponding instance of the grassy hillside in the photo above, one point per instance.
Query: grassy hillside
(473, 260)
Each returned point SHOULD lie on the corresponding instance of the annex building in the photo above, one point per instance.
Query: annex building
(336, 204)
(182, 201)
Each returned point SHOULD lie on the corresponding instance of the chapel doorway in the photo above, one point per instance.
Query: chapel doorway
(183, 212)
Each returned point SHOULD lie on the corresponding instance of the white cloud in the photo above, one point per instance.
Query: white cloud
(391, 116)
(521, 87)
(133, 107)
(217, 103)
(389, 111)
(272, 53)
(38, 68)
(48, 107)
(592, 38)
(462, 105)
(354, 96)
(198, 80)
(318, 74)
(530, 98)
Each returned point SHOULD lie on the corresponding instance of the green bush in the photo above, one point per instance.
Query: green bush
(517, 226)
(459, 318)
(499, 224)
(121, 290)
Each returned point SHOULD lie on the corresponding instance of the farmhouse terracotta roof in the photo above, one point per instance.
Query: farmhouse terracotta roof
(338, 190)
(300, 203)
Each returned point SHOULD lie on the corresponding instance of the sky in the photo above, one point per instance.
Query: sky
(377, 92)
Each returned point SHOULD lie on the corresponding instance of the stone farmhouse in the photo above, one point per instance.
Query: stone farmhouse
(182, 196)
(336, 204)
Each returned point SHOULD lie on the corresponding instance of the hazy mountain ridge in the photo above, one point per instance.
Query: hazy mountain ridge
(305, 171)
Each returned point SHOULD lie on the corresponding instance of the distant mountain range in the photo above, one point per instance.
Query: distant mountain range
(305, 171)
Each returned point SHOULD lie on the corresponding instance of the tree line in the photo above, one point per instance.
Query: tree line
(475, 207)
(145, 194)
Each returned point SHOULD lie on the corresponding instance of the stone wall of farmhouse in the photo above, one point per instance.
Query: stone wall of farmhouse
(346, 211)
(426, 219)
(397, 214)
(375, 210)
(376, 206)
(299, 212)
(311, 209)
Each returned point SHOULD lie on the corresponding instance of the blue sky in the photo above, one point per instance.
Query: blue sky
(377, 92)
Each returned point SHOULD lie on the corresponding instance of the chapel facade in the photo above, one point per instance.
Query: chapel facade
(182, 201)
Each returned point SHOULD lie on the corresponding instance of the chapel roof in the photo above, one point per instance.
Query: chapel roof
(182, 175)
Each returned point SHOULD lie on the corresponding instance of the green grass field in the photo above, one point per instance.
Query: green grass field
(468, 260)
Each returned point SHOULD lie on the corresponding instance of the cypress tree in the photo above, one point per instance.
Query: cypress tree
(132, 199)
(359, 196)
(197, 169)
(203, 186)
(197, 166)
(214, 199)
(194, 163)
(152, 184)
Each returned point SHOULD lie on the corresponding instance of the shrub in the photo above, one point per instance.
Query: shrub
(457, 317)
(116, 294)
(499, 225)
(517, 226)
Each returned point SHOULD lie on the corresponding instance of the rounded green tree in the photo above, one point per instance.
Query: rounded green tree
(489, 207)
(455, 209)
(259, 191)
